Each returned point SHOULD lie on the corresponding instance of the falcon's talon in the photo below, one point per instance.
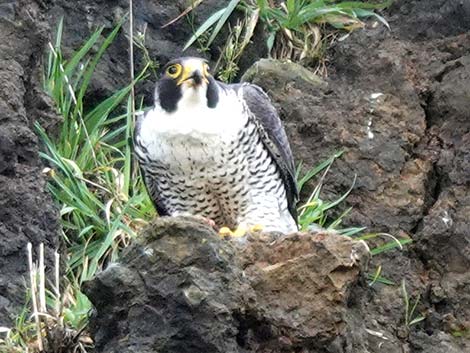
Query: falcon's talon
(208, 221)
(256, 228)
(225, 232)
(237, 233)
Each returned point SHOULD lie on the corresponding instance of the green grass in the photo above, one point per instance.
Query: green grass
(103, 201)
(318, 212)
(296, 29)
(410, 316)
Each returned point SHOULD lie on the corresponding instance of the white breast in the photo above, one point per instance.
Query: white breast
(193, 128)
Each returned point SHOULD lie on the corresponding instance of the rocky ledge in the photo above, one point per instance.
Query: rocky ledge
(181, 288)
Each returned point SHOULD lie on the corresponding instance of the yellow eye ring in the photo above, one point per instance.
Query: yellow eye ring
(174, 70)
(206, 69)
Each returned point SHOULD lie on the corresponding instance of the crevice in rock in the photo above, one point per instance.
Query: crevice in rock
(251, 329)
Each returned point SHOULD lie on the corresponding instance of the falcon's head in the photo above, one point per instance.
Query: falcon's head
(186, 81)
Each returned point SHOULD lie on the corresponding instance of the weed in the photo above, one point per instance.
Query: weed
(238, 39)
(45, 325)
(411, 318)
(139, 42)
(377, 278)
(315, 213)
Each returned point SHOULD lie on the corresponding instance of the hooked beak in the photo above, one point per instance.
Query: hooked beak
(194, 76)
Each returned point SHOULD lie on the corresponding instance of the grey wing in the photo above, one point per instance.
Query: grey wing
(274, 138)
(147, 170)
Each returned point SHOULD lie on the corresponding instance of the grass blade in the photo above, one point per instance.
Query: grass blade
(204, 27)
(226, 14)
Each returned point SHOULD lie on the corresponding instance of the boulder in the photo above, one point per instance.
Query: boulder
(181, 288)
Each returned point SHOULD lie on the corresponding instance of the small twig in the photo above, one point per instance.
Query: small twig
(57, 282)
(184, 13)
(42, 280)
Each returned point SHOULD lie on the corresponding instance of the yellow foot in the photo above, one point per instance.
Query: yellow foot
(240, 231)
(256, 228)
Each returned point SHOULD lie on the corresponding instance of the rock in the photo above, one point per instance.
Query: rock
(423, 20)
(181, 288)
(377, 126)
(27, 213)
(279, 73)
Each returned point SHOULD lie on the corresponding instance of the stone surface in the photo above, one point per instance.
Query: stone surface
(183, 289)
(163, 42)
(27, 213)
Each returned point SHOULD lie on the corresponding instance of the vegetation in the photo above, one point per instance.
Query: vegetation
(298, 30)
(410, 316)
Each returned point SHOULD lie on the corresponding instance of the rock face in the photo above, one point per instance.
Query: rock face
(183, 289)
(26, 210)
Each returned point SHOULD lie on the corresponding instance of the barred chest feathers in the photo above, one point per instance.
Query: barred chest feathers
(211, 162)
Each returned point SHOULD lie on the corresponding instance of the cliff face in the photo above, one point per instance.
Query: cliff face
(397, 101)
(26, 210)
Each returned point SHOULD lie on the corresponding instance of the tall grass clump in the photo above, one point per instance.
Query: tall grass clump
(102, 200)
(101, 197)
(298, 30)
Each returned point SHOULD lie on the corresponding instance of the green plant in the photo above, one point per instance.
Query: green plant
(377, 278)
(217, 21)
(410, 308)
(295, 27)
(315, 212)
(16, 339)
(44, 324)
(102, 201)
(139, 42)
(239, 37)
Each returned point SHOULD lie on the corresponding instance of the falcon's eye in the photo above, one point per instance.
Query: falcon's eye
(174, 70)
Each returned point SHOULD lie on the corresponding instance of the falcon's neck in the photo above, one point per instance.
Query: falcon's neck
(194, 118)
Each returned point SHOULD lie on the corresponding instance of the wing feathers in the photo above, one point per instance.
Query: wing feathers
(274, 138)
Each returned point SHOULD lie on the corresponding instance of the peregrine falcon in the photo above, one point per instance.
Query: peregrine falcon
(217, 151)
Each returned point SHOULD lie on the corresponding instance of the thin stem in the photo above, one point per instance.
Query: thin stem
(131, 57)
(32, 278)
